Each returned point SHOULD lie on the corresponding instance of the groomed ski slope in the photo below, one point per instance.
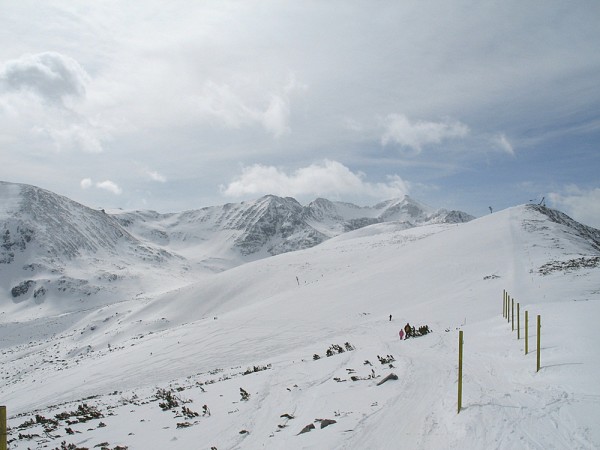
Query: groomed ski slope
(275, 314)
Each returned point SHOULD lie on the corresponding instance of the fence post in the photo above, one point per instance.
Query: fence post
(460, 358)
(518, 321)
(3, 444)
(512, 304)
(526, 332)
(508, 308)
(503, 301)
(539, 327)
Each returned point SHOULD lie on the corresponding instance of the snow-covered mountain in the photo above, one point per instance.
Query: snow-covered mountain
(53, 247)
(272, 225)
(59, 250)
(251, 357)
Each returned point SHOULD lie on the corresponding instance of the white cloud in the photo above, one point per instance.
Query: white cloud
(220, 102)
(86, 183)
(581, 204)
(52, 76)
(109, 186)
(155, 176)
(401, 130)
(503, 143)
(75, 136)
(228, 107)
(323, 179)
(106, 185)
(42, 103)
(276, 118)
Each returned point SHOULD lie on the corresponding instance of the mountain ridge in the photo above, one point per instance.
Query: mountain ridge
(55, 248)
(282, 224)
(52, 246)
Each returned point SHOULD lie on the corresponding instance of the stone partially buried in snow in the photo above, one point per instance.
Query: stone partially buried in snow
(391, 376)
(326, 422)
(307, 428)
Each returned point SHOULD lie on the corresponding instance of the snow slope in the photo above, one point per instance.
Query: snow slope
(258, 326)
(57, 256)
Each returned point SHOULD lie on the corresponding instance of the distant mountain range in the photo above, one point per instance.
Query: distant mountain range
(272, 225)
(52, 246)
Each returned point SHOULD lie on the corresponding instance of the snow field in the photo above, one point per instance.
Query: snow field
(201, 337)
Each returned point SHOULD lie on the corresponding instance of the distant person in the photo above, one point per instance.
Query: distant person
(401, 334)
(407, 330)
(390, 317)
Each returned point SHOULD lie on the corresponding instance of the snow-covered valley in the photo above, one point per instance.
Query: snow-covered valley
(238, 358)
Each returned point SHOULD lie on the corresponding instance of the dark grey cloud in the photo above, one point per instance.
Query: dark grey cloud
(52, 76)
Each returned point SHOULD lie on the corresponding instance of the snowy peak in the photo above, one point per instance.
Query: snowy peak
(53, 246)
(272, 225)
(350, 217)
(574, 229)
(416, 213)
(64, 228)
(405, 210)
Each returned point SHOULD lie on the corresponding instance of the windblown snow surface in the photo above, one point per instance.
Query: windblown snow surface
(97, 378)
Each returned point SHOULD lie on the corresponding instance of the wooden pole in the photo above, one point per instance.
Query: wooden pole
(526, 332)
(3, 444)
(518, 321)
(460, 358)
(539, 327)
(512, 304)
(508, 309)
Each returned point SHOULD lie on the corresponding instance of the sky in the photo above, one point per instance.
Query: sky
(179, 105)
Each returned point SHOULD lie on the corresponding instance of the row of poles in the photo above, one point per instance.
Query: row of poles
(508, 312)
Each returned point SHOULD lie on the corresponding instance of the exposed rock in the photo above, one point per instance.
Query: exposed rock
(307, 428)
(391, 376)
(326, 422)
(22, 288)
